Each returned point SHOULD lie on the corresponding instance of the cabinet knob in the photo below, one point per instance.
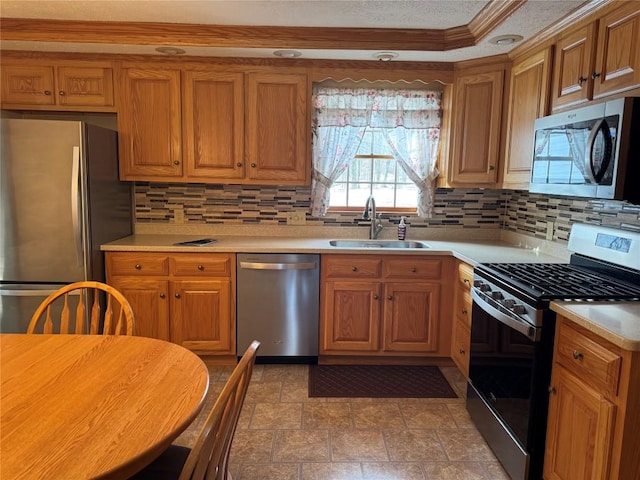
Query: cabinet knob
(414, 270)
(552, 389)
(464, 311)
(201, 267)
(466, 281)
(239, 164)
(389, 297)
(177, 295)
(61, 93)
(253, 165)
(491, 167)
(577, 355)
(162, 295)
(375, 297)
(595, 75)
(582, 79)
(47, 92)
(354, 269)
(462, 352)
(176, 162)
(138, 266)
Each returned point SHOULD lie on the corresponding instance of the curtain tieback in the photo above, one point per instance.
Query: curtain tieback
(322, 179)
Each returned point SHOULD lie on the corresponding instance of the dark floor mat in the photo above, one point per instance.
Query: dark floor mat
(378, 381)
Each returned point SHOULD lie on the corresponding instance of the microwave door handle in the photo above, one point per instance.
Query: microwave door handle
(596, 177)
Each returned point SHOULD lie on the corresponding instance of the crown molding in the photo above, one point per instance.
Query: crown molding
(242, 36)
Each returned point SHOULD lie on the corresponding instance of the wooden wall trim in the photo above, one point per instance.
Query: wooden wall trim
(139, 33)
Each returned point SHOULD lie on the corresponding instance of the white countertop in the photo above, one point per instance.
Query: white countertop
(618, 322)
(472, 252)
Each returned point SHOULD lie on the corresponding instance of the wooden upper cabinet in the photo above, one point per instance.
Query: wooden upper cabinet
(618, 53)
(72, 86)
(277, 129)
(598, 59)
(149, 124)
(213, 125)
(216, 126)
(528, 99)
(573, 67)
(477, 113)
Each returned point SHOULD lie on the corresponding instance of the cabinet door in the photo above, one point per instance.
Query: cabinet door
(528, 100)
(277, 127)
(27, 85)
(149, 300)
(410, 320)
(618, 56)
(476, 129)
(84, 86)
(579, 430)
(149, 125)
(351, 317)
(213, 125)
(573, 67)
(201, 316)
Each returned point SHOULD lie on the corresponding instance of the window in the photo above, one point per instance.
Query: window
(375, 171)
(379, 142)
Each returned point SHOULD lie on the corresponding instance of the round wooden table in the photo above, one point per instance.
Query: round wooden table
(92, 406)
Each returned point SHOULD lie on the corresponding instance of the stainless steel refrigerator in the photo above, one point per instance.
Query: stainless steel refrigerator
(60, 199)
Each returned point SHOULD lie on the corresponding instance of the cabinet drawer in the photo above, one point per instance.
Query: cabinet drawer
(352, 267)
(588, 360)
(213, 265)
(411, 268)
(137, 263)
(460, 346)
(463, 307)
(465, 274)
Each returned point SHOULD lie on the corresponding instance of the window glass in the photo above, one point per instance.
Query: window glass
(374, 171)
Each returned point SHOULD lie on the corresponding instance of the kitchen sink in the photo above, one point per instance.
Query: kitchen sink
(377, 244)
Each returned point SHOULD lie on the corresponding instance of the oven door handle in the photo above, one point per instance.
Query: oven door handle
(521, 326)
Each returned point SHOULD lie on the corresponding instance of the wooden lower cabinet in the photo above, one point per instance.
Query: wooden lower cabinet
(461, 338)
(183, 298)
(374, 306)
(592, 429)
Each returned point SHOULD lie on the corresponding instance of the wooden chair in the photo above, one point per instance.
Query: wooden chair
(208, 458)
(117, 318)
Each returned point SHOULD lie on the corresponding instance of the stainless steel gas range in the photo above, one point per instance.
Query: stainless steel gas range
(512, 336)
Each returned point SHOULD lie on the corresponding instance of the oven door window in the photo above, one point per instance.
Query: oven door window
(501, 368)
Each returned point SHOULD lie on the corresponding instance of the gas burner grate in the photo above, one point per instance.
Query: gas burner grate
(556, 280)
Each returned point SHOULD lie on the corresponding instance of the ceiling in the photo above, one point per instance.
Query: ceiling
(417, 30)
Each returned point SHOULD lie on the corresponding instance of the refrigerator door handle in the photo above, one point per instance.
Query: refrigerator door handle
(75, 202)
(29, 293)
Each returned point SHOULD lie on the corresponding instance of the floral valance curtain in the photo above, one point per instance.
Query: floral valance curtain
(340, 116)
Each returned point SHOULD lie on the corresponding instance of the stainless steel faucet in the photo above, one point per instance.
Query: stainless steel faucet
(376, 223)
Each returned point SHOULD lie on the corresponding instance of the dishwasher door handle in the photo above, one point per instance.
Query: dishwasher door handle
(278, 266)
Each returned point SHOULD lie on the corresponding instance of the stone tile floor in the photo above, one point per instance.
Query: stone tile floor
(285, 435)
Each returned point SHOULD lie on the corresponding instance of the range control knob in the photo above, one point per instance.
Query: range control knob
(477, 283)
(510, 303)
(485, 287)
(519, 309)
(497, 295)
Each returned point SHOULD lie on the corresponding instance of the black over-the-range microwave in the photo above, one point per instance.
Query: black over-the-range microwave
(592, 151)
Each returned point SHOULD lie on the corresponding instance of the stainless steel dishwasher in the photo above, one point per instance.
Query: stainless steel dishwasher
(278, 298)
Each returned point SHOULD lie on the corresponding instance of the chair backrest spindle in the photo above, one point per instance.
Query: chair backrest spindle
(43, 318)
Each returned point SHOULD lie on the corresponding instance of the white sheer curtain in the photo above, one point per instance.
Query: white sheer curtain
(411, 119)
(414, 150)
(333, 147)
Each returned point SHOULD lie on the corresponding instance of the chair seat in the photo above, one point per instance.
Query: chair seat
(167, 466)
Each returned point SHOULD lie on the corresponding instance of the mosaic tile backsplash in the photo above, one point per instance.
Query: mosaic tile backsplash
(517, 211)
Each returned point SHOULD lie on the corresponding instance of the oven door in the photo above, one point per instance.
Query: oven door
(509, 374)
